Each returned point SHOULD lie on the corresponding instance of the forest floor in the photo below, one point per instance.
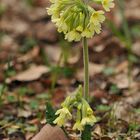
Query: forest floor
(38, 65)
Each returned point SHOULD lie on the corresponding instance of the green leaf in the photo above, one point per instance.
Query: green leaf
(137, 110)
(11, 99)
(133, 58)
(114, 89)
(22, 91)
(108, 71)
(86, 134)
(50, 114)
(44, 96)
(34, 104)
(103, 107)
(136, 30)
(65, 71)
(28, 44)
(133, 126)
(31, 128)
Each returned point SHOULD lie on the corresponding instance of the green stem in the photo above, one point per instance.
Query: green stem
(86, 69)
(86, 134)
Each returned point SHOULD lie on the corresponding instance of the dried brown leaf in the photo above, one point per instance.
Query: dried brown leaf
(33, 73)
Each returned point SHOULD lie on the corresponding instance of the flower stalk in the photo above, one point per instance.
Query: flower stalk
(86, 69)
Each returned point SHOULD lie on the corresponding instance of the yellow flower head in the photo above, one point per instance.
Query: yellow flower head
(76, 19)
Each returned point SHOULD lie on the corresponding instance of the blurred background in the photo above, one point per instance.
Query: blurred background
(38, 65)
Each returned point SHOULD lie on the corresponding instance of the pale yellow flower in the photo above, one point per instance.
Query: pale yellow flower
(60, 121)
(61, 25)
(53, 11)
(73, 36)
(88, 117)
(65, 112)
(87, 33)
(89, 120)
(78, 126)
(79, 28)
(95, 28)
(107, 4)
(64, 115)
(89, 111)
(97, 17)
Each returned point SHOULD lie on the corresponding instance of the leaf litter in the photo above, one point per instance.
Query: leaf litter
(29, 83)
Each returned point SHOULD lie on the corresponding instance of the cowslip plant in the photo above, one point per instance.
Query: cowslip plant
(78, 21)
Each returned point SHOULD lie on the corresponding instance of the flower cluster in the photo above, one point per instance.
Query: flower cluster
(76, 19)
(84, 112)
